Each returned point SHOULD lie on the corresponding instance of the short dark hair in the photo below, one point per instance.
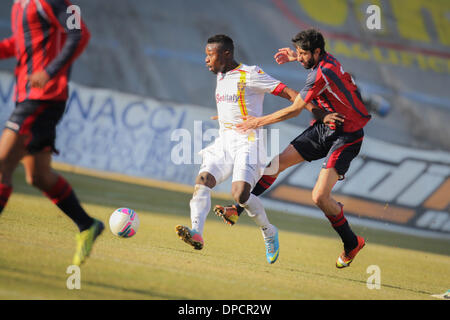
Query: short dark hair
(309, 40)
(226, 43)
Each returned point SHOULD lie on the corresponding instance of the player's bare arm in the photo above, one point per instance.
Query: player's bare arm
(318, 113)
(281, 115)
(288, 93)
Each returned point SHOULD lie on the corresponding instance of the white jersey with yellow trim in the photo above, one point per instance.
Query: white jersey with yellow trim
(240, 92)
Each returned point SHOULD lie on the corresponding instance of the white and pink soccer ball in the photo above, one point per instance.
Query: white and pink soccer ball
(124, 222)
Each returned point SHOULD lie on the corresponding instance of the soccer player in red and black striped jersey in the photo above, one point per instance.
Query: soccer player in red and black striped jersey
(45, 45)
(337, 138)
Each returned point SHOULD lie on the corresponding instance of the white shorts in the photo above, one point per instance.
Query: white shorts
(235, 154)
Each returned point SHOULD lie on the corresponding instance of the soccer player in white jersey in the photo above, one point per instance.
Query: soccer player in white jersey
(240, 92)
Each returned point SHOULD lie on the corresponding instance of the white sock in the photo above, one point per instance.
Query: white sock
(200, 205)
(255, 210)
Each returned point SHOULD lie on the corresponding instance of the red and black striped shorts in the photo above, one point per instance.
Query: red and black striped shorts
(37, 121)
(337, 147)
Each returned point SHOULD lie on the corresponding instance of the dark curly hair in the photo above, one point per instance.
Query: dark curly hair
(310, 40)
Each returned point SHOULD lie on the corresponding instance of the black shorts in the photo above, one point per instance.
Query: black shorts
(37, 120)
(337, 147)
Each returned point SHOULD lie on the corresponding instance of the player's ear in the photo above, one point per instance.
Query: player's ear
(317, 51)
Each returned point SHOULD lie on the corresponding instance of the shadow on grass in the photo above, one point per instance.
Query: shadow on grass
(117, 194)
(334, 277)
(148, 294)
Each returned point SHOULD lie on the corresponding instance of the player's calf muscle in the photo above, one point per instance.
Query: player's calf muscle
(42, 181)
(241, 197)
(6, 171)
(5, 179)
(240, 192)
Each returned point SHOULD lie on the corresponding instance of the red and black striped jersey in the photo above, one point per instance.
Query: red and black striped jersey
(43, 40)
(334, 90)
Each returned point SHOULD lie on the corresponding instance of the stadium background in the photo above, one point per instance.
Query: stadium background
(143, 76)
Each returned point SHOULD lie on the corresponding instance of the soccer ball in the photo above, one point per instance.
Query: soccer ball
(124, 222)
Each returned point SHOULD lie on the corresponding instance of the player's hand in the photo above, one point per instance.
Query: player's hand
(285, 55)
(249, 123)
(333, 119)
(215, 118)
(38, 79)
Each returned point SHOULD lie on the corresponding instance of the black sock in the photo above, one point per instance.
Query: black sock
(340, 224)
(72, 208)
(63, 196)
(348, 237)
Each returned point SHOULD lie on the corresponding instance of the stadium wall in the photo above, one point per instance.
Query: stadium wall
(388, 186)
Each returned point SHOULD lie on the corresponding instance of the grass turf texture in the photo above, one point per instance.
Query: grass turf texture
(37, 244)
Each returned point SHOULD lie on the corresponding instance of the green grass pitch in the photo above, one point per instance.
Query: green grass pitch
(37, 244)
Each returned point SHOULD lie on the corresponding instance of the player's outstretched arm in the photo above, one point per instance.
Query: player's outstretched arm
(283, 114)
(7, 48)
(285, 55)
(288, 93)
(318, 113)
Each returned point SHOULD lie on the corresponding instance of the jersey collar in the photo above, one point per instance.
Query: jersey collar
(240, 65)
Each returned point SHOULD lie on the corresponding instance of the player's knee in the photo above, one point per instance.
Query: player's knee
(319, 198)
(206, 179)
(35, 179)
